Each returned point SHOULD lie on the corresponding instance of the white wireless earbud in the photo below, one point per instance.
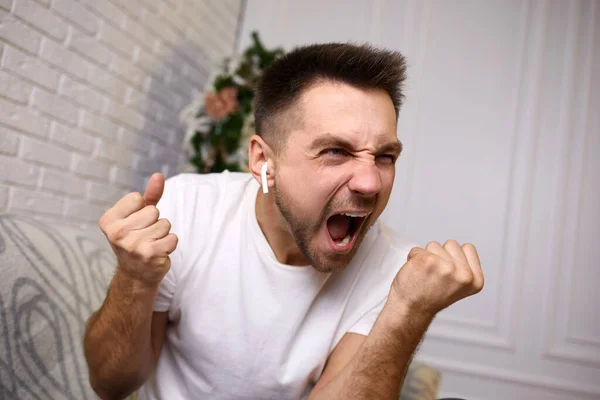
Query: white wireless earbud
(263, 177)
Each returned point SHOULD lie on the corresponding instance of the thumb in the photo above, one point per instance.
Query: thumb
(154, 190)
(414, 252)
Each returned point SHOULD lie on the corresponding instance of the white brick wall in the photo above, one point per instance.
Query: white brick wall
(90, 92)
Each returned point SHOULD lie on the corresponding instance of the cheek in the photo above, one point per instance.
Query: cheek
(298, 189)
(308, 191)
(387, 182)
(387, 174)
(387, 179)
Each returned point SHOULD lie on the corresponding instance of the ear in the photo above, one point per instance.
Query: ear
(259, 152)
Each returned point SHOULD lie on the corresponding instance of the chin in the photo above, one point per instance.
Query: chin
(330, 261)
(331, 266)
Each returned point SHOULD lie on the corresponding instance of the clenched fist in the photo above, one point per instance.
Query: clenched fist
(437, 276)
(140, 240)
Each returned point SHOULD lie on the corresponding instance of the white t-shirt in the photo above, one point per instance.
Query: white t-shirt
(242, 325)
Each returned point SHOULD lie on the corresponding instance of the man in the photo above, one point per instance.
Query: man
(284, 294)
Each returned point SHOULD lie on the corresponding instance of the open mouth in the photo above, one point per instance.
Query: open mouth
(343, 229)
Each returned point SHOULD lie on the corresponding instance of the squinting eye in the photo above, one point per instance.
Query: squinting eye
(335, 152)
(386, 158)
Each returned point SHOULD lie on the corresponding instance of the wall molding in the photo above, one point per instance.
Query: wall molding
(470, 337)
(563, 344)
(500, 374)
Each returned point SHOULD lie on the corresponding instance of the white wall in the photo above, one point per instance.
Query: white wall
(90, 93)
(502, 131)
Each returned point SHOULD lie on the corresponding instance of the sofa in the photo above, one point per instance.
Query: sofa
(53, 277)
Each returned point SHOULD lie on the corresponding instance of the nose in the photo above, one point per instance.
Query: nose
(366, 180)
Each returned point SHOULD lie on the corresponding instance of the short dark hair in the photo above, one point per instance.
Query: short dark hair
(360, 65)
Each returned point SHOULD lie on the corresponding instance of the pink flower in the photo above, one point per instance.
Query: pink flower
(219, 105)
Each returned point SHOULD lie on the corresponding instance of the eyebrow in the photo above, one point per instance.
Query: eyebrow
(329, 139)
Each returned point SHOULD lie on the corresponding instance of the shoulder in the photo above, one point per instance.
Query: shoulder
(398, 246)
(190, 182)
(188, 190)
(386, 254)
(192, 201)
(197, 205)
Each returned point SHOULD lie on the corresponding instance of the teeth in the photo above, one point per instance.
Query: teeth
(344, 241)
(354, 215)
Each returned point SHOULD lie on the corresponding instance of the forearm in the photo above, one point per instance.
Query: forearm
(117, 341)
(379, 367)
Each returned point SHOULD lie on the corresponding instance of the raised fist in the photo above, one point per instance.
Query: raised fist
(140, 240)
(437, 276)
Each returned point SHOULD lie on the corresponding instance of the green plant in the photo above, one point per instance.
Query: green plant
(220, 121)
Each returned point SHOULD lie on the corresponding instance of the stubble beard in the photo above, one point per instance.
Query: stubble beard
(303, 233)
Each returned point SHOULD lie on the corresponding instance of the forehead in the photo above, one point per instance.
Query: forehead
(359, 115)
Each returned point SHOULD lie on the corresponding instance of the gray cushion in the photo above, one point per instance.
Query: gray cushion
(52, 278)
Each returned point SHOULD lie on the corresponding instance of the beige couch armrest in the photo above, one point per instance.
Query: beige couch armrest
(422, 382)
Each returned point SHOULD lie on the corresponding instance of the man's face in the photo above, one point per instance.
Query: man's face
(335, 173)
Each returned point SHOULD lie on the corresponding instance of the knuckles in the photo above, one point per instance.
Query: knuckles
(137, 199)
(103, 221)
(153, 212)
(144, 252)
(119, 230)
(431, 244)
(447, 269)
(163, 263)
(478, 285)
(166, 223)
(117, 233)
(133, 248)
(465, 277)
(469, 246)
(130, 247)
(173, 241)
(427, 259)
(451, 242)
(443, 278)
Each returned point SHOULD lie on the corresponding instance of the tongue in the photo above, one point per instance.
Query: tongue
(338, 226)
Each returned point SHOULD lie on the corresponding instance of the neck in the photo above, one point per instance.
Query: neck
(276, 231)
